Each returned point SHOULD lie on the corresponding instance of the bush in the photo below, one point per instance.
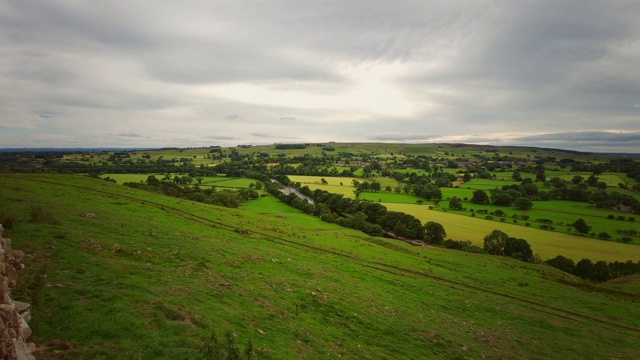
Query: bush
(611, 216)
(621, 217)
(7, 220)
(473, 249)
(214, 350)
(456, 244)
(604, 235)
(41, 215)
(489, 217)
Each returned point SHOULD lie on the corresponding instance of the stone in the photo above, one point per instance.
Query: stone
(12, 275)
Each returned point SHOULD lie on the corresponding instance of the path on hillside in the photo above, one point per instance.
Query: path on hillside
(387, 268)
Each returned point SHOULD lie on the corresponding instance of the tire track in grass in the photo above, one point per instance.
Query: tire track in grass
(379, 266)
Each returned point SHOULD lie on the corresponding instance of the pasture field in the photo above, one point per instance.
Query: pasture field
(207, 181)
(389, 197)
(339, 184)
(152, 276)
(240, 183)
(547, 244)
(562, 213)
(487, 184)
(331, 180)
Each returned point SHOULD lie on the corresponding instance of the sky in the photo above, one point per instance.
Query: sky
(197, 73)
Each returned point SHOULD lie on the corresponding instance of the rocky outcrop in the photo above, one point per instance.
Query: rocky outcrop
(14, 315)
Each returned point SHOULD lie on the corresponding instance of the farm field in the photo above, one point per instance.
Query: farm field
(207, 181)
(547, 244)
(562, 213)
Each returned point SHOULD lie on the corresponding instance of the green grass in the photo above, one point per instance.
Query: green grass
(151, 277)
(390, 197)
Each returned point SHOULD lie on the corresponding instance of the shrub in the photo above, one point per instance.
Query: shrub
(7, 220)
(621, 217)
(456, 244)
(473, 249)
(630, 218)
(489, 217)
(611, 216)
(214, 350)
(626, 239)
(41, 215)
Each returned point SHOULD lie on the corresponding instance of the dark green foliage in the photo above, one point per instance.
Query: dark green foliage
(41, 215)
(480, 197)
(581, 226)
(290, 146)
(214, 350)
(562, 263)
(523, 203)
(7, 220)
(585, 269)
(518, 249)
(494, 242)
(434, 232)
(456, 244)
(455, 203)
(600, 271)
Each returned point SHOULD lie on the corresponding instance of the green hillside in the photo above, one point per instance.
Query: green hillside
(153, 276)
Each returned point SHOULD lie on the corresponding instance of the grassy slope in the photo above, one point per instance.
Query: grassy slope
(314, 290)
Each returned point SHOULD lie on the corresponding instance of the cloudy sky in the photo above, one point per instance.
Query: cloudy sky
(562, 74)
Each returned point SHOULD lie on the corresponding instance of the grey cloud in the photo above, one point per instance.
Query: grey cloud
(132, 135)
(45, 114)
(233, 117)
(402, 137)
(479, 68)
(584, 136)
(220, 137)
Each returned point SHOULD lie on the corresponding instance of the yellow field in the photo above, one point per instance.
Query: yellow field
(545, 243)
(333, 183)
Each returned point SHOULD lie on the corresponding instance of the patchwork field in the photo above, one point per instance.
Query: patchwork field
(547, 244)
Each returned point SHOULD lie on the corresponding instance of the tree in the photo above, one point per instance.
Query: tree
(585, 269)
(434, 232)
(503, 199)
(523, 203)
(562, 263)
(494, 242)
(518, 249)
(480, 197)
(455, 203)
(581, 226)
(443, 181)
(577, 180)
(601, 271)
(516, 175)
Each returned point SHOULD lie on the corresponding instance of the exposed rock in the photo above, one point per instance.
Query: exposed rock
(14, 330)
